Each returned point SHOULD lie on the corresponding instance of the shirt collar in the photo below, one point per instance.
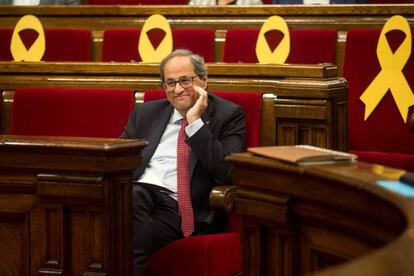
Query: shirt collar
(176, 117)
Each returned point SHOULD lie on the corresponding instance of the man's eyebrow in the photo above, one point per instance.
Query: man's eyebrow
(178, 78)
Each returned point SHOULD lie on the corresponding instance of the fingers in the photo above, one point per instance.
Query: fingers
(202, 95)
(200, 105)
(201, 92)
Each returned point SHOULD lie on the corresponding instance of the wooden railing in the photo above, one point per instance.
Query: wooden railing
(65, 205)
(298, 220)
(99, 18)
(309, 108)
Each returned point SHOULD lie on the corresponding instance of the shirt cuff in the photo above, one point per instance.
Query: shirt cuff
(192, 128)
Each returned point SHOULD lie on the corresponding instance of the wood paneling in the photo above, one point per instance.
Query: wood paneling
(306, 219)
(65, 205)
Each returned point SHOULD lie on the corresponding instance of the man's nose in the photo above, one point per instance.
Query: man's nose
(178, 88)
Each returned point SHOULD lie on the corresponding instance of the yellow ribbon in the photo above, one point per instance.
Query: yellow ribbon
(17, 47)
(264, 54)
(390, 173)
(145, 47)
(391, 76)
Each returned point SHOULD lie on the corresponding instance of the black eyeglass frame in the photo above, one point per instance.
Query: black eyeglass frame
(173, 83)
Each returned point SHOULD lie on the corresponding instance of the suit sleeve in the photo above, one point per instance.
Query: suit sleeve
(211, 151)
(131, 125)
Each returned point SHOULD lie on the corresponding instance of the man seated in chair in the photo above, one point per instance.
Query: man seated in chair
(189, 135)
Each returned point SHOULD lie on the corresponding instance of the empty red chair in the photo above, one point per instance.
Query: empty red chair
(71, 111)
(384, 138)
(306, 46)
(390, 1)
(61, 44)
(214, 254)
(122, 45)
(137, 2)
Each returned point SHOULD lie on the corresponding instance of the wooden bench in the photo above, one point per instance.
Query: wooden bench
(309, 108)
(99, 18)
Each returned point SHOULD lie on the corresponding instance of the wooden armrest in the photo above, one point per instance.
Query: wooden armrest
(411, 123)
(223, 197)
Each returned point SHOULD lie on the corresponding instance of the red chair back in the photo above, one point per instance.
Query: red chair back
(137, 2)
(249, 101)
(389, 1)
(61, 45)
(307, 46)
(384, 137)
(122, 44)
(71, 111)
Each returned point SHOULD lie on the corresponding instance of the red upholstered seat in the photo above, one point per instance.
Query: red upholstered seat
(137, 2)
(389, 1)
(209, 255)
(71, 111)
(214, 254)
(384, 138)
(61, 45)
(307, 46)
(122, 44)
(5, 40)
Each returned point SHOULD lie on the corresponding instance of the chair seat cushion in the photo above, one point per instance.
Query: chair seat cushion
(206, 255)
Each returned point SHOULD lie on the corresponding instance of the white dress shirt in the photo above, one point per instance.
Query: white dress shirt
(162, 168)
(26, 2)
(214, 2)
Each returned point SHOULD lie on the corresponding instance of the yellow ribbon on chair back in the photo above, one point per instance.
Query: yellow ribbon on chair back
(391, 76)
(37, 49)
(145, 48)
(264, 54)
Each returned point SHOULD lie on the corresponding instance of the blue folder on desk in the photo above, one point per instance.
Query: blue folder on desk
(398, 187)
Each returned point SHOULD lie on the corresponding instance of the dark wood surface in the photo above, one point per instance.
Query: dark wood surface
(298, 220)
(65, 205)
(98, 18)
(310, 107)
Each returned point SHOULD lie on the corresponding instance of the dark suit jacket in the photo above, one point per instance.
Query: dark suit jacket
(221, 135)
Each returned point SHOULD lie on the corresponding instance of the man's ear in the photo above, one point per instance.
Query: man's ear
(205, 83)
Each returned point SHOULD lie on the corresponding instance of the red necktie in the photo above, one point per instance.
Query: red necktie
(183, 182)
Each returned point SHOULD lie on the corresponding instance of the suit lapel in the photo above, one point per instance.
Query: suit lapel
(207, 119)
(154, 136)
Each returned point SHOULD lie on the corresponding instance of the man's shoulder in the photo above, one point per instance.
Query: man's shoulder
(151, 109)
(222, 102)
(154, 104)
(223, 106)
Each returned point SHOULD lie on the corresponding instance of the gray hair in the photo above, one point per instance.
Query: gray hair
(198, 62)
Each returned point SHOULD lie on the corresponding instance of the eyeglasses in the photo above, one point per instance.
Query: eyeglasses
(185, 82)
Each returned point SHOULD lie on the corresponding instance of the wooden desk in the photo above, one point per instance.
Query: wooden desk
(65, 205)
(98, 18)
(298, 220)
(310, 108)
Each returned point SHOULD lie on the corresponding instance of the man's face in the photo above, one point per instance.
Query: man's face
(181, 69)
